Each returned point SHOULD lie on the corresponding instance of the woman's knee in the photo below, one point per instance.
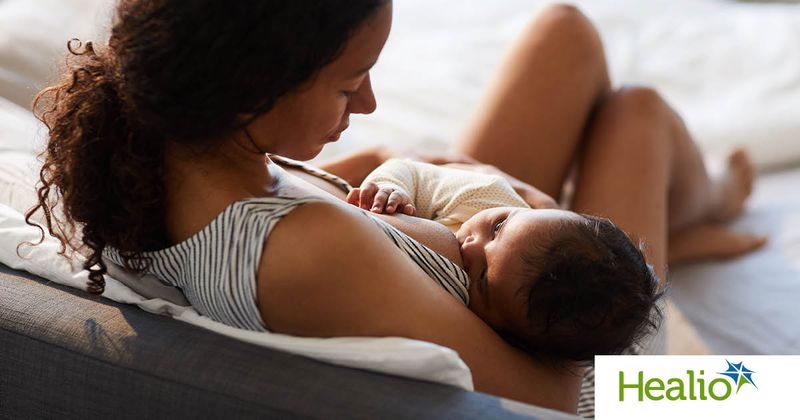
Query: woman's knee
(635, 103)
(566, 16)
(637, 119)
(641, 99)
(565, 24)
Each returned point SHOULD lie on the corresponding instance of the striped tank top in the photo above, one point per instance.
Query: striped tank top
(216, 268)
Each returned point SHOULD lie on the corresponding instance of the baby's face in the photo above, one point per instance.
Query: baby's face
(491, 242)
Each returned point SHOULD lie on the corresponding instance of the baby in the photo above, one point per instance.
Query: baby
(555, 283)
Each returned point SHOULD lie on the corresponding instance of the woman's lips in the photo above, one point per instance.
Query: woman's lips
(338, 133)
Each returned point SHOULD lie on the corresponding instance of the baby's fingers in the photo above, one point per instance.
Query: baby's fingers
(367, 194)
(353, 196)
(379, 202)
(397, 200)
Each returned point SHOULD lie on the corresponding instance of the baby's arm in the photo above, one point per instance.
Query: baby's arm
(390, 188)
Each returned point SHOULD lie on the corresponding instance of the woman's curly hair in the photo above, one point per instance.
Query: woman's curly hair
(171, 71)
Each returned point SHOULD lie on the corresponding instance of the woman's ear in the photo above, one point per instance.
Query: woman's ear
(243, 120)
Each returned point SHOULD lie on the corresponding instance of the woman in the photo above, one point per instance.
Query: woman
(157, 150)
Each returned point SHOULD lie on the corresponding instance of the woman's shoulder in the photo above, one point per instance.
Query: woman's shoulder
(312, 225)
(331, 270)
(241, 224)
(192, 226)
(316, 253)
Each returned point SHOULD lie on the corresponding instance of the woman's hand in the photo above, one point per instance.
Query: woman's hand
(535, 198)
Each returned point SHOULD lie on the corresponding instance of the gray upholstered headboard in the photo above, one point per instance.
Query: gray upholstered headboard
(66, 354)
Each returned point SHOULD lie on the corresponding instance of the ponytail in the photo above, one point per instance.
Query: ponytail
(172, 72)
(100, 165)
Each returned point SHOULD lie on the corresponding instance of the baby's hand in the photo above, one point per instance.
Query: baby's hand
(381, 199)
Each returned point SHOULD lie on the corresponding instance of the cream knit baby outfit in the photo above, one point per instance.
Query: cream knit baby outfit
(446, 195)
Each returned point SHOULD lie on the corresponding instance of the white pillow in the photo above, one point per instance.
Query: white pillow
(18, 175)
(20, 137)
(33, 40)
(19, 130)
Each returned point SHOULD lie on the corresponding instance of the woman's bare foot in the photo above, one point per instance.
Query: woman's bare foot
(710, 238)
(732, 187)
(711, 241)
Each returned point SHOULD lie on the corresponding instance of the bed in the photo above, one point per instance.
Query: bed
(732, 69)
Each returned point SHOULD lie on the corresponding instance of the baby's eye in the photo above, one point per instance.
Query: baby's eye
(497, 226)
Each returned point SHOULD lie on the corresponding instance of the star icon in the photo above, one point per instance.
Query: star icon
(740, 374)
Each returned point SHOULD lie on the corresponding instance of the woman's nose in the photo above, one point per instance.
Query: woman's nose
(363, 102)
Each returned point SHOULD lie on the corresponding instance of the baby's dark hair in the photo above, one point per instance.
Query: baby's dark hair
(589, 291)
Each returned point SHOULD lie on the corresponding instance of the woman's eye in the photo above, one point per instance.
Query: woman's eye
(348, 93)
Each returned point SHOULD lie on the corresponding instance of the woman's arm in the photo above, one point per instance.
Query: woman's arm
(332, 272)
(354, 167)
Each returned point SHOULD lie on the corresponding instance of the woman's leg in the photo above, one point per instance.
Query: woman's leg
(695, 196)
(700, 204)
(542, 103)
(640, 168)
(533, 118)
(626, 169)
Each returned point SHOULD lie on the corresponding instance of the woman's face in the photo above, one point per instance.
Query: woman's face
(302, 122)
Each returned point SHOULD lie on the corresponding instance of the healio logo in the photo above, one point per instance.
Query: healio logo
(693, 386)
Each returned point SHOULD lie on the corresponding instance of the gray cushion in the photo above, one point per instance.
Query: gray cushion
(66, 354)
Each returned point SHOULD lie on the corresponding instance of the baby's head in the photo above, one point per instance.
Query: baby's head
(556, 283)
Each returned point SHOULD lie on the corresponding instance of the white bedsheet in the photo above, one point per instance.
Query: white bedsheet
(731, 68)
(751, 305)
